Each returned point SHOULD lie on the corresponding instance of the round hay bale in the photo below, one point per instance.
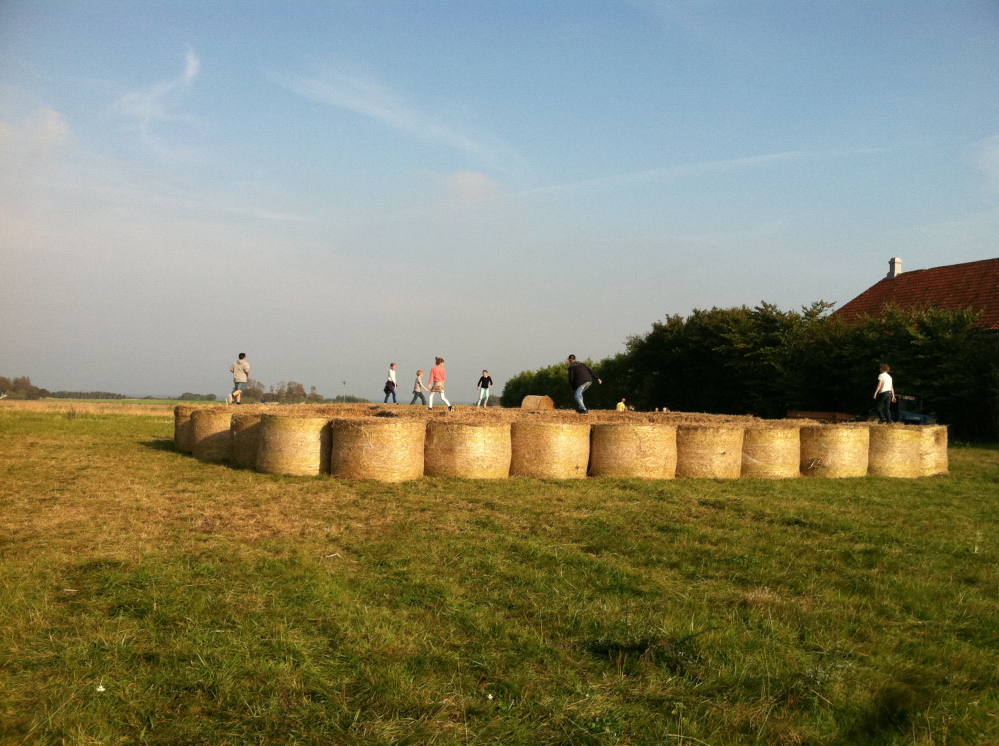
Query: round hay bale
(299, 446)
(933, 450)
(182, 434)
(771, 452)
(537, 402)
(641, 450)
(894, 451)
(466, 450)
(380, 449)
(245, 430)
(834, 451)
(549, 450)
(210, 437)
(709, 451)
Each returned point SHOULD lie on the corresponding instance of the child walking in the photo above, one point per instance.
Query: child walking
(419, 388)
(437, 377)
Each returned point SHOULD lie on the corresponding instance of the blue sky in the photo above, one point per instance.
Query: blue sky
(333, 186)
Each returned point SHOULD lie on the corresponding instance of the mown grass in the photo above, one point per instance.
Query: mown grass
(149, 598)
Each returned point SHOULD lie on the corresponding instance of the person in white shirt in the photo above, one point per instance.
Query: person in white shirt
(884, 395)
(390, 385)
(240, 375)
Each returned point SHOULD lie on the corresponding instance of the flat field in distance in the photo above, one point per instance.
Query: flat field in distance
(148, 598)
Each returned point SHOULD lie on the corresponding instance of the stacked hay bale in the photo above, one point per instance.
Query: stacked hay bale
(549, 450)
(633, 449)
(709, 451)
(933, 450)
(245, 429)
(467, 450)
(537, 403)
(895, 451)
(835, 451)
(210, 437)
(382, 449)
(182, 433)
(293, 445)
(771, 451)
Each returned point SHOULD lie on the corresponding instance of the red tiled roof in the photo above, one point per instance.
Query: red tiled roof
(956, 286)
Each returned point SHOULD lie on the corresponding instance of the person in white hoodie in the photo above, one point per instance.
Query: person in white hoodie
(390, 385)
(884, 395)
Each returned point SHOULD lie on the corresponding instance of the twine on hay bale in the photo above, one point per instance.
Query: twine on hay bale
(771, 452)
(380, 449)
(709, 451)
(835, 451)
(537, 402)
(210, 437)
(299, 446)
(640, 450)
(933, 450)
(245, 429)
(894, 451)
(549, 450)
(467, 450)
(182, 433)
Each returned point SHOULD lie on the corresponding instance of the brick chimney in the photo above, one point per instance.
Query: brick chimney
(894, 267)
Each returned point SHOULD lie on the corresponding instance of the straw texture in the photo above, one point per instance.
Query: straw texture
(834, 451)
(466, 450)
(549, 450)
(933, 450)
(709, 451)
(537, 402)
(894, 451)
(633, 450)
(245, 430)
(210, 437)
(771, 452)
(381, 449)
(298, 446)
(183, 436)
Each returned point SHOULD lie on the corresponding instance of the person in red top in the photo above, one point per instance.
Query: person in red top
(437, 377)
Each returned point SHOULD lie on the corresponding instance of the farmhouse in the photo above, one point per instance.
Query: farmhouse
(953, 287)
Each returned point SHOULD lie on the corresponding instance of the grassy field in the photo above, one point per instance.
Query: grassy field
(148, 598)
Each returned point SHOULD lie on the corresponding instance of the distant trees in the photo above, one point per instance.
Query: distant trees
(290, 392)
(188, 396)
(765, 361)
(87, 395)
(20, 387)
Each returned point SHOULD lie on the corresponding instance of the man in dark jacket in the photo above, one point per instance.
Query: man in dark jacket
(580, 379)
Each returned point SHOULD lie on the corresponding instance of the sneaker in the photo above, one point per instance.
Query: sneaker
(450, 408)
(228, 399)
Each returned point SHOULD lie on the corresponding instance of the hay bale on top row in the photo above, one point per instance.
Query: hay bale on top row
(537, 402)
(709, 451)
(772, 452)
(549, 450)
(210, 438)
(182, 427)
(633, 450)
(245, 429)
(933, 450)
(468, 450)
(834, 451)
(377, 448)
(293, 445)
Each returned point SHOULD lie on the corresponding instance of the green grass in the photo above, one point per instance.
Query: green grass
(149, 598)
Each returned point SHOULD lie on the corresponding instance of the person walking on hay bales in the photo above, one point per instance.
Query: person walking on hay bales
(622, 406)
(884, 394)
(419, 388)
(485, 383)
(437, 377)
(390, 385)
(240, 375)
(580, 379)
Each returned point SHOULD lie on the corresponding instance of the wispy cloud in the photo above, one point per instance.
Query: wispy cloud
(985, 155)
(157, 104)
(371, 99)
(38, 136)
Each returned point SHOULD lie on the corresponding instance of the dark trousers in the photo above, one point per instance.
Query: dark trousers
(419, 395)
(392, 394)
(884, 406)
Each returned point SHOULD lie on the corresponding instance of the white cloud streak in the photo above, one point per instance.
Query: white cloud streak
(371, 99)
(156, 104)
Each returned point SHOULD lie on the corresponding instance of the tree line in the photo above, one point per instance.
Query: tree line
(765, 362)
(291, 392)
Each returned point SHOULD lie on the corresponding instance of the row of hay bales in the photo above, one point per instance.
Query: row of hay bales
(391, 448)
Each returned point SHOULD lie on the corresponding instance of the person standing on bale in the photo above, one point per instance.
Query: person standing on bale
(437, 377)
(621, 406)
(580, 379)
(884, 395)
(419, 388)
(390, 385)
(240, 374)
(485, 383)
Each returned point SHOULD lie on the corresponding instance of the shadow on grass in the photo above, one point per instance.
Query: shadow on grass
(160, 444)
